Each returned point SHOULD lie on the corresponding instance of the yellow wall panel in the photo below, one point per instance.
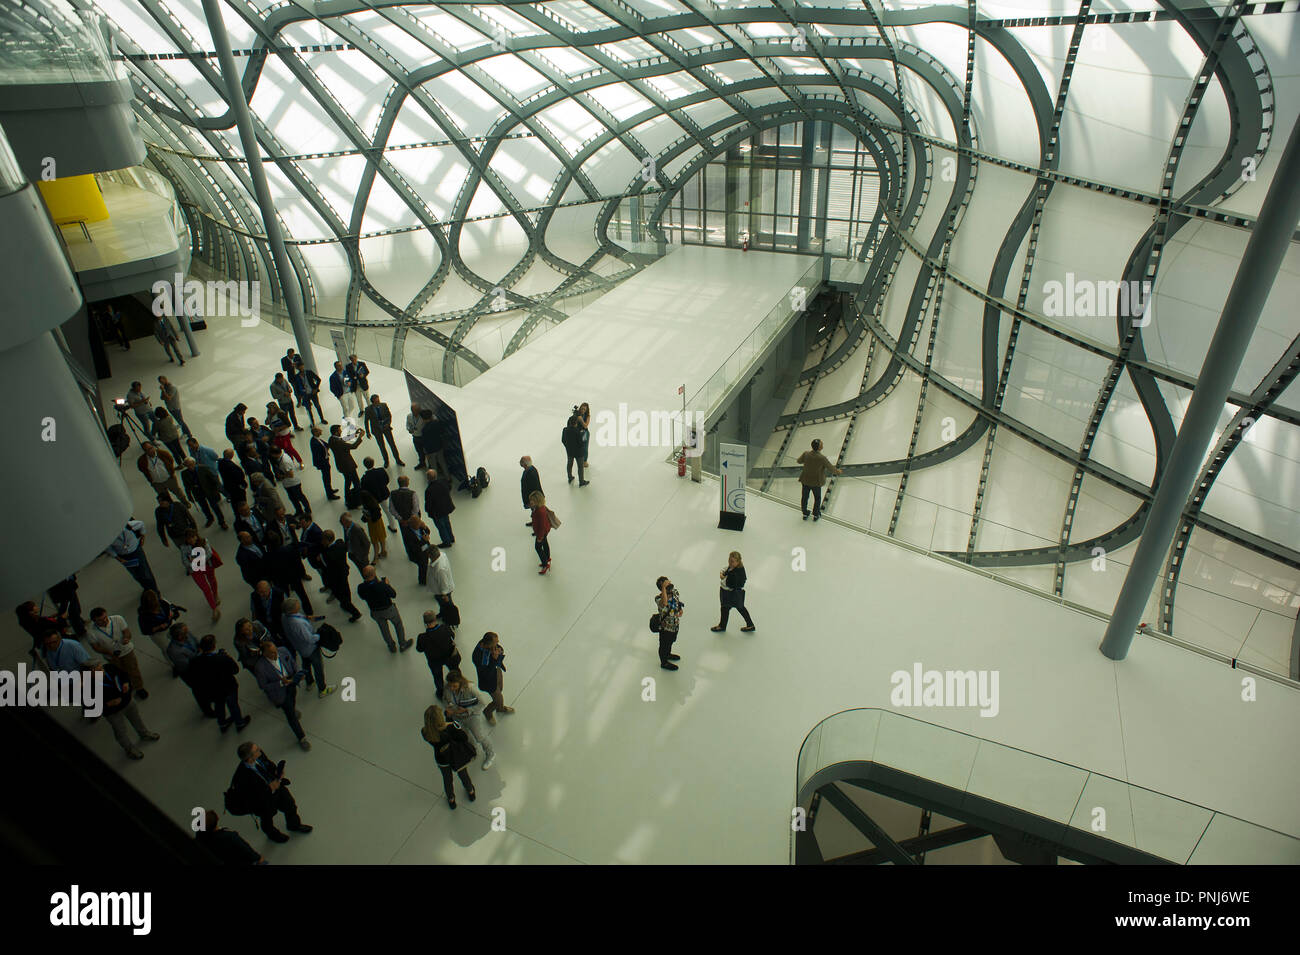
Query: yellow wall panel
(73, 198)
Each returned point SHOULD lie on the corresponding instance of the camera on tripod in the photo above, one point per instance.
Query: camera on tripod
(119, 435)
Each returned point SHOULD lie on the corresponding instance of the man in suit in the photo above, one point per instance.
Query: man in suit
(438, 644)
(306, 386)
(438, 505)
(404, 503)
(379, 425)
(359, 375)
(309, 541)
(203, 487)
(252, 560)
(341, 388)
(286, 569)
(233, 479)
(236, 426)
(266, 605)
(530, 480)
(166, 335)
(375, 481)
(343, 460)
(433, 441)
(357, 541)
(415, 538)
(334, 573)
(414, 425)
(278, 676)
(159, 469)
(214, 678)
(172, 519)
(261, 787)
(225, 845)
(320, 457)
(246, 520)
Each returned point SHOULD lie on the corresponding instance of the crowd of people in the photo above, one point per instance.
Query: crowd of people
(280, 639)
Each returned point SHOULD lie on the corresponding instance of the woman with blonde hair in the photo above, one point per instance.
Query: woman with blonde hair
(731, 594)
(452, 751)
(542, 522)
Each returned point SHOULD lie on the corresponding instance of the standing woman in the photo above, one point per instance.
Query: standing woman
(541, 525)
(465, 707)
(584, 417)
(671, 608)
(452, 750)
(731, 595)
(373, 515)
(281, 431)
(198, 551)
(490, 662)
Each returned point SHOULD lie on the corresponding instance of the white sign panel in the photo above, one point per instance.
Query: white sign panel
(731, 466)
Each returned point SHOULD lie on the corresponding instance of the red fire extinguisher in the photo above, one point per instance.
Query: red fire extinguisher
(681, 462)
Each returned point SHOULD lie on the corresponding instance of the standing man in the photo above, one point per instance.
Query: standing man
(438, 505)
(378, 594)
(432, 442)
(404, 503)
(140, 407)
(321, 459)
(375, 481)
(341, 387)
(252, 560)
(334, 573)
(166, 335)
(236, 425)
(119, 708)
(266, 605)
(206, 457)
(202, 486)
(64, 595)
(379, 425)
(413, 426)
(260, 787)
(813, 478)
(214, 677)
(415, 538)
(306, 385)
(360, 377)
(300, 631)
(159, 469)
(233, 479)
(110, 637)
(343, 460)
(172, 519)
(529, 481)
(282, 394)
(127, 548)
(64, 655)
(438, 644)
(170, 396)
(441, 582)
(278, 678)
(357, 542)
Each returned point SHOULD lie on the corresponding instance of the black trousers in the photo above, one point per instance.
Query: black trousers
(281, 801)
(666, 640)
(568, 467)
(287, 408)
(816, 493)
(733, 599)
(338, 585)
(300, 502)
(349, 481)
(228, 710)
(327, 479)
(236, 495)
(422, 567)
(446, 780)
(211, 508)
(543, 548)
(313, 399)
(436, 667)
(380, 437)
(296, 586)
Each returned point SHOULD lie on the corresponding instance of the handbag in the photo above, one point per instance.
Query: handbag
(555, 521)
(655, 621)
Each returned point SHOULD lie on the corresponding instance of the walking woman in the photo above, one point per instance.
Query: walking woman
(671, 608)
(490, 662)
(452, 751)
(373, 515)
(731, 595)
(201, 563)
(465, 707)
(282, 431)
(541, 524)
(584, 417)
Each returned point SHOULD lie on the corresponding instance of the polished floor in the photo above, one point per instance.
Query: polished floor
(610, 759)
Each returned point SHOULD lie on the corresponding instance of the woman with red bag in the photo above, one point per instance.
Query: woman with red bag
(201, 563)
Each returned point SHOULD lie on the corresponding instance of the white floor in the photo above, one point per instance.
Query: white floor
(589, 770)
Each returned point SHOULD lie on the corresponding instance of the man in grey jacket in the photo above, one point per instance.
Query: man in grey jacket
(278, 677)
(171, 397)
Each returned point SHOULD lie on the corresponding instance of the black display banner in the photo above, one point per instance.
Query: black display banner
(445, 415)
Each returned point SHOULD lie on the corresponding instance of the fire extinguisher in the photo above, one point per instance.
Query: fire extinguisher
(681, 462)
(744, 243)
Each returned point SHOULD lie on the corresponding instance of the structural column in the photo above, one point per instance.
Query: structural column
(1255, 275)
(253, 154)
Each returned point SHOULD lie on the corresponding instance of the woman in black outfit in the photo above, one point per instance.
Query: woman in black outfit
(732, 593)
(451, 749)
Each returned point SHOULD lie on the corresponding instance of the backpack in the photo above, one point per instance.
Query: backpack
(330, 639)
(654, 623)
(478, 482)
(449, 613)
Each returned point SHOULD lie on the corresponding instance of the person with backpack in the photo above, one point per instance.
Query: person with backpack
(543, 519)
(259, 788)
(571, 438)
(225, 845)
(452, 751)
(671, 607)
(731, 594)
(438, 644)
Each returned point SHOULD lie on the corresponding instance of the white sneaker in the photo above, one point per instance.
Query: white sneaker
(487, 763)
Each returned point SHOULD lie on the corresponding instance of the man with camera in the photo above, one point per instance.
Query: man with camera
(260, 788)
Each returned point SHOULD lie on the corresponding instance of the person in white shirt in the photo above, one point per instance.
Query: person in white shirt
(465, 706)
(127, 548)
(440, 579)
(109, 635)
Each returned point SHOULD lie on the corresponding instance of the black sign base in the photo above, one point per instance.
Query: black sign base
(729, 521)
